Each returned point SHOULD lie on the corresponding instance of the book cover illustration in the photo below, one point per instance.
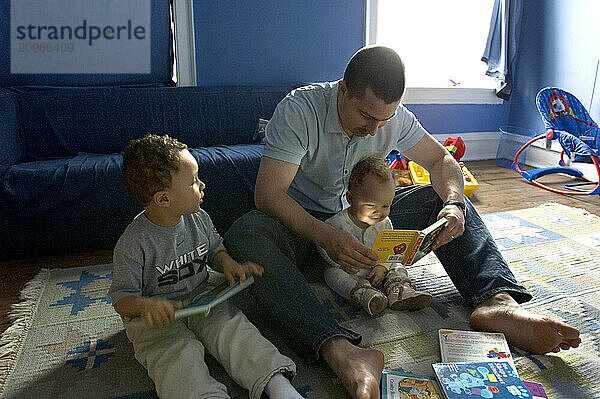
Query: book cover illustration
(398, 385)
(406, 246)
(474, 346)
(536, 390)
(212, 297)
(497, 380)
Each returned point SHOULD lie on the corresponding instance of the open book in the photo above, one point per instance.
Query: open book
(207, 300)
(474, 346)
(406, 246)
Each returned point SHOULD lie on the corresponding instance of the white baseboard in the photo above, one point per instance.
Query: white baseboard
(539, 156)
(484, 145)
(479, 145)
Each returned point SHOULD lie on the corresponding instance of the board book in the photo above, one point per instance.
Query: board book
(536, 390)
(406, 246)
(474, 346)
(212, 297)
(475, 380)
(398, 385)
(217, 291)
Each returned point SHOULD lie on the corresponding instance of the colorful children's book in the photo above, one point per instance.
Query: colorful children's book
(398, 385)
(474, 346)
(536, 390)
(212, 297)
(406, 246)
(490, 380)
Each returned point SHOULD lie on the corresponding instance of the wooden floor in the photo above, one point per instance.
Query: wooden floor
(500, 189)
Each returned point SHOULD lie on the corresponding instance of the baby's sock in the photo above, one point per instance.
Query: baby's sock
(280, 387)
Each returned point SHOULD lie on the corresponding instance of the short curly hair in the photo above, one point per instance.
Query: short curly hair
(371, 165)
(149, 164)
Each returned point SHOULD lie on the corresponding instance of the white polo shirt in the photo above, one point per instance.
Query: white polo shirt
(305, 130)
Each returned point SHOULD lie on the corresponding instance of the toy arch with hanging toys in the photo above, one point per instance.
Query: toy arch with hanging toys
(567, 121)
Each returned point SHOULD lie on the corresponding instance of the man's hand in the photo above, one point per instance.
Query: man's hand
(159, 312)
(233, 269)
(345, 250)
(377, 275)
(453, 229)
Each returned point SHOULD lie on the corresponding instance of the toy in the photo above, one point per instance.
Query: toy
(400, 167)
(396, 160)
(456, 147)
(567, 120)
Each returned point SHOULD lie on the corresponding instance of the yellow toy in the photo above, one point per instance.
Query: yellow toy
(419, 175)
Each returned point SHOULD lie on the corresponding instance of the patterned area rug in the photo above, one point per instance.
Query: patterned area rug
(67, 342)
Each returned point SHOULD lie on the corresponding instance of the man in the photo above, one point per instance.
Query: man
(316, 135)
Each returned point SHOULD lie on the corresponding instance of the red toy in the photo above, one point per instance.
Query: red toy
(396, 161)
(456, 147)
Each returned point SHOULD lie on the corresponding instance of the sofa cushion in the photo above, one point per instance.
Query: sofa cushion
(229, 173)
(64, 122)
(81, 203)
(66, 187)
(10, 152)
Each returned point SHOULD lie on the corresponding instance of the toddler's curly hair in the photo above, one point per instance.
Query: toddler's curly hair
(371, 165)
(149, 164)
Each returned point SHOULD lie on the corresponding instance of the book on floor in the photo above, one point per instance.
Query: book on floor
(398, 385)
(474, 346)
(536, 390)
(406, 246)
(492, 380)
(202, 304)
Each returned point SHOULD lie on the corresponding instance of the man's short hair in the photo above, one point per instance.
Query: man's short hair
(149, 164)
(371, 165)
(379, 68)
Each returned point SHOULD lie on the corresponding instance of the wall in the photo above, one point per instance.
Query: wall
(257, 42)
(558, 48)
(272, 42)
(287, 41)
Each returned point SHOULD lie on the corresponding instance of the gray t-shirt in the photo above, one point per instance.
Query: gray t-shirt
(305, 130)
(170, 262)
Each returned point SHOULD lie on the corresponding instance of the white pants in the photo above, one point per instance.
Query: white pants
(174, 355)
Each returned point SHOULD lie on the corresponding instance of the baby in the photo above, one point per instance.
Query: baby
(371, 190)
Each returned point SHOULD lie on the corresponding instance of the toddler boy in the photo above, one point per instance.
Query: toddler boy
(160, 265)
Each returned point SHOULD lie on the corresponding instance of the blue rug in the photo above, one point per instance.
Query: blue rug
(67, 342)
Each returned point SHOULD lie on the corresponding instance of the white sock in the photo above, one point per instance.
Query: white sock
(280, 387)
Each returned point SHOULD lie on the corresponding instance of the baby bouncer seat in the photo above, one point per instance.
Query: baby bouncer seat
(566, 120)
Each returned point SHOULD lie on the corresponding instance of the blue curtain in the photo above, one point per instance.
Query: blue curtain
(502, 43)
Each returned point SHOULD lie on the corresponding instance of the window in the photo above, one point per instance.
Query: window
(185, 53)
(441, 43)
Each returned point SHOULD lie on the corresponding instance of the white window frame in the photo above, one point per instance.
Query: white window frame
(185, 49)
(430, 95)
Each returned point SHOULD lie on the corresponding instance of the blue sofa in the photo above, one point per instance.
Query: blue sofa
(61, 152)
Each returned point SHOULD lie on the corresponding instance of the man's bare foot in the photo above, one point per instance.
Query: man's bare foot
(522, 328)
(359, 369)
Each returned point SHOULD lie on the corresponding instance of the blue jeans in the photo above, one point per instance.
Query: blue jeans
(472, 261)
(283, 294)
